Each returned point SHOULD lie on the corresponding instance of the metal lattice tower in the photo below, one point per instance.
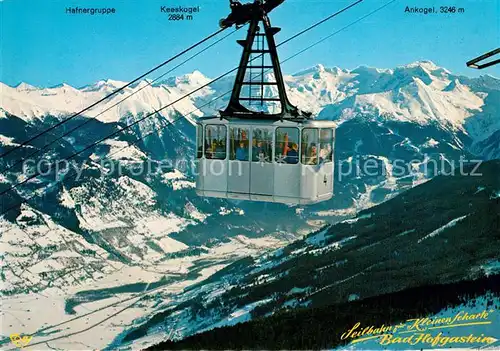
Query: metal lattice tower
(250, 86)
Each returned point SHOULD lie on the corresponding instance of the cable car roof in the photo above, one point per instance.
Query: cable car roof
(265, 122)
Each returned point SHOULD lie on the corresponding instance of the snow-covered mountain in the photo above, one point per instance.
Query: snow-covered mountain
(100, 234)
(29, 102)
(420, 92)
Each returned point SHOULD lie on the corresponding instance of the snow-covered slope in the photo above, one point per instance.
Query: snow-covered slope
(418, 238)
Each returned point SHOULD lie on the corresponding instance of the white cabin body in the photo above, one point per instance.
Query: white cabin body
(264, 160)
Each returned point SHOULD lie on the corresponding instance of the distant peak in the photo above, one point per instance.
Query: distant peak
(110, 82)
(62, 85)
(370, 69)
(195, 77)
(426, 65)
(104, 84)
(489, 78)
(319, 68)
(25, 87)
(197, 73)
(422, 63)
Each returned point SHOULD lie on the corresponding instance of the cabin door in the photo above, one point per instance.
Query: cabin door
(239, 160)
(326, 149)
(262, 167)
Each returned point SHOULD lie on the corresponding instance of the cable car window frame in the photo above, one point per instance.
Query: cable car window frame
(277, 143)
(303, 157)
(206, 142)
(329, 142)
(268, 144)
(200, 141)
(232, 149)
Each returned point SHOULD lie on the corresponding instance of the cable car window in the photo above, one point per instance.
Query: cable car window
(326, 142)
(199, 141)
(239, 144)
(262, 145)
(287, 145)
(215, 142)
(309, 147)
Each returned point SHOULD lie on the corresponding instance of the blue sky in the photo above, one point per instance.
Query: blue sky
(44, 46)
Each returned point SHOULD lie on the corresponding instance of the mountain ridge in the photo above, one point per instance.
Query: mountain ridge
(420, 79)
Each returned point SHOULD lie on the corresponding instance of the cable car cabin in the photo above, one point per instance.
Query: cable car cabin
(263, 148)
(287, 162)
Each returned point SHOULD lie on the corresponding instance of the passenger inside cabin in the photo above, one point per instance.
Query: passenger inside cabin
(325, 154)
(220, 150)
(209, 152)
(312, 158)
(286, 146)
(292, 155)
(241, 152)
(258, 153)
